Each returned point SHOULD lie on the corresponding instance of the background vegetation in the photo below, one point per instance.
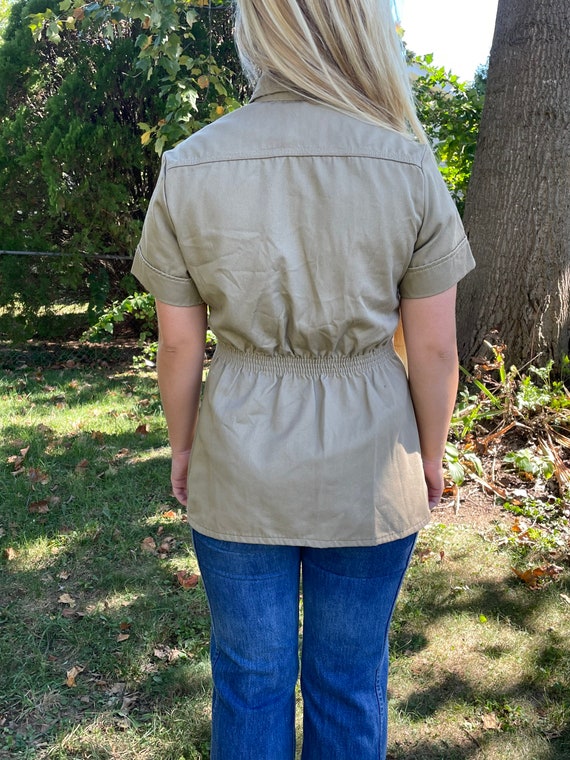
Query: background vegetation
(91, 96)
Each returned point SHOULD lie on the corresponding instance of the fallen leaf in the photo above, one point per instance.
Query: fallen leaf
(491, 722)
(66, 599)
(142, 429)
(37, 476)
(72, 674)
(10, 553)
(170, 515)
(187, 580)
(18, 459)
(148, 545)
(533, 576)
(129, 701)
(39, 507)
(123, 636)
(64, 575)
(565, 597)
(82, 466)
(70, 613)
(167, 545)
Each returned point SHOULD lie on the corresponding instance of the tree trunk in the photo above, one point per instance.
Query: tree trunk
(517, 213)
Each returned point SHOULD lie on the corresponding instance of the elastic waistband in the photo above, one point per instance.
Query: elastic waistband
(307, 366)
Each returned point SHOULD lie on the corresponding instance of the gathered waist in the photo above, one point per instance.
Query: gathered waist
(304, 366)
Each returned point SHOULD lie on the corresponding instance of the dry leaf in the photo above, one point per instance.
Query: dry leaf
(66, 599)
(142, 429)
(64, 575)
(533, 576)
(17, 459)
(10, 553)
(39, 507)
(123, 636)
(72, 674)
(491, 722)
(80, 467)
(167, 545)
(565, 597)
(69, 613)
(170, 515)
(148, 545)
(187, 580)
(37, 476)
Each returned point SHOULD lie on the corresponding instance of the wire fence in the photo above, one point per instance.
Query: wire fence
(99, 256)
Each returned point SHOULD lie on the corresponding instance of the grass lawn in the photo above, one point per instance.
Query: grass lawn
(104, 622)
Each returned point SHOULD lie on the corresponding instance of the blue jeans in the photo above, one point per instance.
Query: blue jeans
(348, 597)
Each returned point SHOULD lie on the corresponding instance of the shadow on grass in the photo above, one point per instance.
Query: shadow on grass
(140, 641)
(534, 703)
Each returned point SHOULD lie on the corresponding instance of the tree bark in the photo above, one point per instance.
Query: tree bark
(517, 213)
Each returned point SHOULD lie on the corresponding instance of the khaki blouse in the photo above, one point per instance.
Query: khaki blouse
(301, 228)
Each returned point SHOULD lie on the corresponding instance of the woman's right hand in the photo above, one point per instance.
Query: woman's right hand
(433, 473)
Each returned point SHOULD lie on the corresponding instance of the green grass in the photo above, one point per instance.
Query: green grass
(105, 656)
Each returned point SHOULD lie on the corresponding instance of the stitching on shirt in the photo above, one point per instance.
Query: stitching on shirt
(162, 274)
(290, 152)
(439, 262)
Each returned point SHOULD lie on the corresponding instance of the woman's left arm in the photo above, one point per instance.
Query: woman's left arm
(180, 360)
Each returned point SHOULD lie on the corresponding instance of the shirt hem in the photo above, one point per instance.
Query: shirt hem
(315, 543)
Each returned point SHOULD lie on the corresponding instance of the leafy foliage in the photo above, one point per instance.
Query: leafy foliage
(450, 111)
(139, 306)
(92, 95)
(74, 177)
(184, 46)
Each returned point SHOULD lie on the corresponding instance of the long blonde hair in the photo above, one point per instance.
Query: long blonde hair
(344, 53)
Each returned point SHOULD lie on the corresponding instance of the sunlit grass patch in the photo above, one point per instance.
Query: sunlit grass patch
(479, 660)
(98, 579)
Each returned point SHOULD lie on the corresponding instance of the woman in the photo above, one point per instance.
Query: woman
(308, 221)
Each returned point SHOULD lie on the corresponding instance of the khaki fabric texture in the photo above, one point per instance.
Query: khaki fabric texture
(301, 228)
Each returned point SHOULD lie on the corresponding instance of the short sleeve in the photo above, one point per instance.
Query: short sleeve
(159, 263)
(442, 255)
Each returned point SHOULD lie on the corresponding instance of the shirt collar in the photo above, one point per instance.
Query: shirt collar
(267, 88)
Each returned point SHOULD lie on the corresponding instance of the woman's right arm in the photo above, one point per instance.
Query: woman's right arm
(430, 338)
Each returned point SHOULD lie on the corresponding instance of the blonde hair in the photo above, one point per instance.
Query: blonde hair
(343, 53)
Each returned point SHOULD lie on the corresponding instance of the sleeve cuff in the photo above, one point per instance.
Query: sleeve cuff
(175, 291)
(438, 276)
